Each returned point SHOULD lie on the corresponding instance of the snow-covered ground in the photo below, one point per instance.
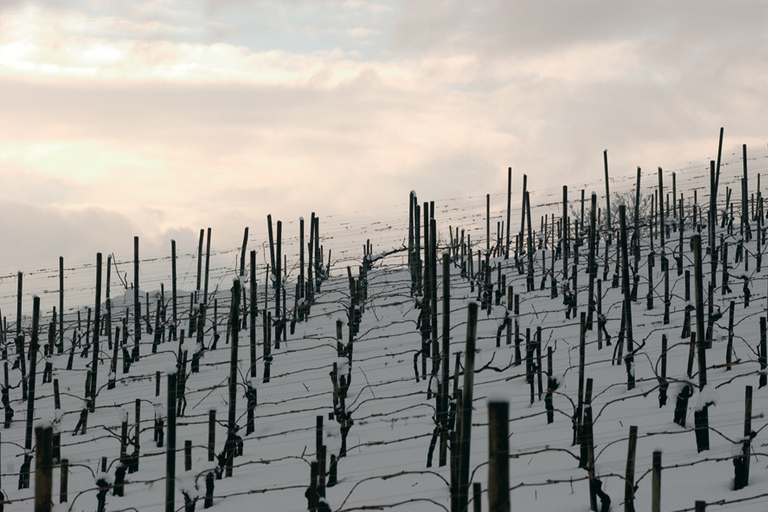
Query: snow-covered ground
(387, 445)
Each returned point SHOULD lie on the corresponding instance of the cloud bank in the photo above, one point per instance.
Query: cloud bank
(153, 117)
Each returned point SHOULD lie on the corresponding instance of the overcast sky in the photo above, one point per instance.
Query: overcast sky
(157, 118)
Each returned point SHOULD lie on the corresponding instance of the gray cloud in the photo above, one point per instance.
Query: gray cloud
(449, 96)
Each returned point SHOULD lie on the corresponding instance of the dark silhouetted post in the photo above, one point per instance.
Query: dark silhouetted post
(498, 457)
(43, 469)
(170, 454)
(466, 413)
(629, 486)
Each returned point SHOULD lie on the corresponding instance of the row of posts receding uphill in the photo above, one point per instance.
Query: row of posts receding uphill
(110, 320)
(662, 231)
(577, 326)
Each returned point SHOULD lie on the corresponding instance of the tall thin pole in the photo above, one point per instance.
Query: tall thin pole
(466, 413)
(96, 329)
(32, 364)
(173, 280)
(509, 210)
(235, 329)
(498, 456)
(43, 469)
(625, 279)
(207, 264)
(136, 303)
(61, 298)
(170, 454)
(607, 197)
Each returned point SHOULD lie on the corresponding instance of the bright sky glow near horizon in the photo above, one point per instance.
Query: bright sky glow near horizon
(160, 117)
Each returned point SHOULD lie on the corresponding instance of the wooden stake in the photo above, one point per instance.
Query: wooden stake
(629, 486)
(498, 456)
(445, 353)
(656, 482)
(582, 354)
(761, 357)
(19, 290)
(564, 240)
(278, 284)
(235, 327)
(33, 348)
(43, 469)
(242, 252)
(64, 481)
(628, 336)
(699, 293)
(136, 301)
(207, 264)
(591, 262)
(509, 211)
(199, 262)
(211, 434)
(173, 287)
(170, 453)
(254, 311)
(662, 218)
(741, 463)
(466, 413)
(61, 300)
(188, 454)
(137, 428)
(607, 198)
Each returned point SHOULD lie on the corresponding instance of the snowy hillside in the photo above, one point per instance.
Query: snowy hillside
(376, 385)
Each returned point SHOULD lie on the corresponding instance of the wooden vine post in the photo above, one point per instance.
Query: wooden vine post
(199, 262)
(33, 347)
(43, 469)
(235, 327)
(531, 249)
(744, 197)
(522, 214)
(607, 198)
(466, 412)
(741, 463)
(170, 453)
(656, 482)
(61, 300)
(701, 416)
(498, 456)
(64, 481)
(636, 233)
(278, 284)
(762, 354)
(564, 239)
(242, 252)
(662, 217)
(96, 329)
(174, 295)
(711, 224)
(628, 336)
(254, 310)
(107, 308)
(591, 262)
(629, 485)
(136, 301)
(207, 264)
(137, 433)
(432, 294)
(582, 353)
(509, 211)
(445, 352)
(19, 290)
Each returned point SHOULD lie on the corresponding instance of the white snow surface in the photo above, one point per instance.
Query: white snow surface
(385, 464)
